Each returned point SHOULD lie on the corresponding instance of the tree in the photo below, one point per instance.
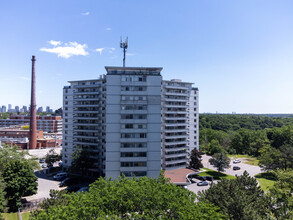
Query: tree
(195, 159)
(214, 147)
(272, 158)
(239, 198)
(20, 181)
(81, 161)
(281, 195)
(8, 153)
(2, 195)
(52, 157)
(221, 161)
(131, 198)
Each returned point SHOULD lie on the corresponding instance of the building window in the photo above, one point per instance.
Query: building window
(133, 154)
(133, 107)
(133, 116)
(133, 164)
(133, 145)
(135, 173)
(133, 126)
(133, 135)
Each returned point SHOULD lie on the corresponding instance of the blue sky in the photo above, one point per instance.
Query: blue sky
(238, 53)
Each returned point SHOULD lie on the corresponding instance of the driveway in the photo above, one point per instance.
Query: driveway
(45, 184)
(252, 170)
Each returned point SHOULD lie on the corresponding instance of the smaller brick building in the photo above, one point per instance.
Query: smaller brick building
(19, 137)
(51, 124)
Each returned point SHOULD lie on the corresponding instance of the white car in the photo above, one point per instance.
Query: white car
(44, 165)
(236, 161)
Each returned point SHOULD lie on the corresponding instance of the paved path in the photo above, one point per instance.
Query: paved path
(45, 184)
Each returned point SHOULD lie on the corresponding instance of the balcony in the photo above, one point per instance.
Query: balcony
(176, 136)
(177, 94)
(176, 87)
(176, 155)
(175, 161)
(175, 143)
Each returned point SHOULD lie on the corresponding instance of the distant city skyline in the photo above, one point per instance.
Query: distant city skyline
(23, 108)
(238, 53)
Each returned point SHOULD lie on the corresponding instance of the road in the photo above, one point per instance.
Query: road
(252, 170)
(45, 184)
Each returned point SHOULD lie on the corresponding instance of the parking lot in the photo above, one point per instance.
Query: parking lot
(252, 170)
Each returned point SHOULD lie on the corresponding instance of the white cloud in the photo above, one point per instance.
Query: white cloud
(106, 49)
(85, 13)
(108, 29)
(54, 43)
(68, 49)
(100, 50)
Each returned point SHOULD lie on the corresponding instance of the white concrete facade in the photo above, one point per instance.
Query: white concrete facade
(132, 122)
(179, 123)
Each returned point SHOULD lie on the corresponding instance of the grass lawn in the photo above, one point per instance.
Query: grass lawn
(215, 174)
(14, 216)
(248, 159)
(10, 216)
(265, 180)
(25, 215)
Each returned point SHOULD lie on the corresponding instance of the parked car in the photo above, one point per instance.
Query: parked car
(64, 182)
(74, 188)
(85, 189)
(236, 161)
(203, 183)
(209, 178)
(60, 176)
(69, 181)
(236, 168)
(44, 165)
(203, 178)
(42, 160)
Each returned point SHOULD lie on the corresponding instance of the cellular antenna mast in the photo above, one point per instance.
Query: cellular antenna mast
(124, 46)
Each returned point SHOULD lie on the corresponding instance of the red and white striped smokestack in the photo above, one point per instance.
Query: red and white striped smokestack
(33, 110)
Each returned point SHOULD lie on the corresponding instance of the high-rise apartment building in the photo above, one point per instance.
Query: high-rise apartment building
(127, 120)
(179, 123)
(118, 119)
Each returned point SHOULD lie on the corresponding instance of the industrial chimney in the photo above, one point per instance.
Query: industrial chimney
(33, 110)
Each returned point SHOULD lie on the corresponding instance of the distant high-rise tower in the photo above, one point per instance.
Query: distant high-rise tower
(33, 114)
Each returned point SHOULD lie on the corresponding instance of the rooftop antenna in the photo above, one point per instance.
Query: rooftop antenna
(124, 45)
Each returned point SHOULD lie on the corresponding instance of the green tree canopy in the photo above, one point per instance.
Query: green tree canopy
(281, 195)
(125, 198)
(221, 161)
(195, 159)
(20, 181)
(8, 153)
(52, 157)
(239, 198)
(2, 195)
(82, 161)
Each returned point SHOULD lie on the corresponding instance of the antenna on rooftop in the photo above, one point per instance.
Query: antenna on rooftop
(124, 46)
